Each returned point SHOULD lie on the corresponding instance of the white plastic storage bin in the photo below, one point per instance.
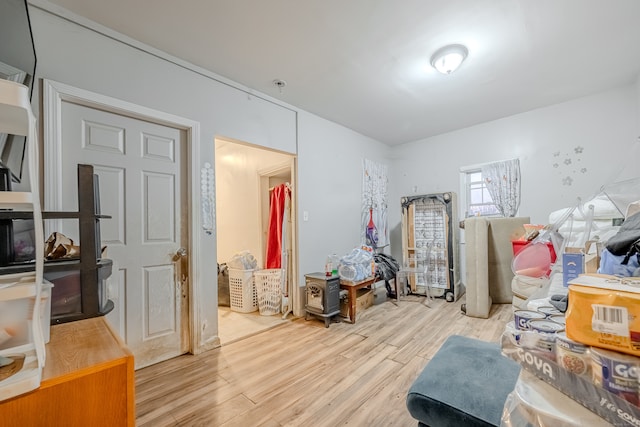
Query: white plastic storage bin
(12, 313)
(269, 286)
(15, 323)
(243, 296)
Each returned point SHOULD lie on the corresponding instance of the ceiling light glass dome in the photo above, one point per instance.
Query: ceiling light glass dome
(447, 59)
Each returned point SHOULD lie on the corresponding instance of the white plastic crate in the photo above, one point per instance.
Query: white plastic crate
(243, 296)
(269, 286)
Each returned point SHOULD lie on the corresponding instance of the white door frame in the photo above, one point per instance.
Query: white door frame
(54, 93)
(263, 174)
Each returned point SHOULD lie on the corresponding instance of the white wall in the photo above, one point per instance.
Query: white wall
(638, 107)
(604, 126)
(330, 184)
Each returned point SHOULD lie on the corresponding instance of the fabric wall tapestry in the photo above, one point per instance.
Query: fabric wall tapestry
(503, 182)
(374, 229)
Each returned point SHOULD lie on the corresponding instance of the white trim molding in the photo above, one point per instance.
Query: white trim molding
(54, 93)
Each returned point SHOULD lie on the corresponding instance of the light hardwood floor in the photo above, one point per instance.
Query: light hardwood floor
(233, 326)
(303, 374)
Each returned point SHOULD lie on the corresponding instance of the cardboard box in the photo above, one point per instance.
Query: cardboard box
(604, 311)
(344, 307)
(592, 257)
(364, 300)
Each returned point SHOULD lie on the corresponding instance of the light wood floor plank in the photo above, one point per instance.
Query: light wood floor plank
(300, 373)
(387, 396)
(291, 399)
(321, 406)
(211, 391)
(204, 414)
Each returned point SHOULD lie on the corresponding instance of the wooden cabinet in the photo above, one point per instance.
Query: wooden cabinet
(88, 380)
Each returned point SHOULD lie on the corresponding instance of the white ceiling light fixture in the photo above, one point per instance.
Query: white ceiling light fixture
(447, 59)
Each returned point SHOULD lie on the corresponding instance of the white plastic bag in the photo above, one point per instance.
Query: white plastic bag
(356, 265)
(243, 261)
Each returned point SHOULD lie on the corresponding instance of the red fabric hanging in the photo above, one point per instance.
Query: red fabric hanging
(276, 216)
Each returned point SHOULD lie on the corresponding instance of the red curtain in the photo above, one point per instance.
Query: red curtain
(276, 217)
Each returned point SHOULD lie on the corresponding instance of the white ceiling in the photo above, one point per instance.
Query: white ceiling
(364, 63)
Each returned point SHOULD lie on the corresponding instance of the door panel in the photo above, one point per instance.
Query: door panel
(158, 148)
(139, 168)
(160, 287)
(102, 137)
(159, 206)
(112, 195)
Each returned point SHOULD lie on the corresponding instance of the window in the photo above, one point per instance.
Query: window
(478, 200)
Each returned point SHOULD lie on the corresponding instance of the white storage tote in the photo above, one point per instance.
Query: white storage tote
(269, 286)
(243, 296)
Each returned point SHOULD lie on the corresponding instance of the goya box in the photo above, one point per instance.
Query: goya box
(604, 311)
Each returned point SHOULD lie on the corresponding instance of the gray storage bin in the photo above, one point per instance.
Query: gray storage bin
(379, 295)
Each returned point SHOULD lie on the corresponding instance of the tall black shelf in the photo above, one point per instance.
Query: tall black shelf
(93, 269)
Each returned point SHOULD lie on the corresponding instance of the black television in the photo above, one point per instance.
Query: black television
(18, 64)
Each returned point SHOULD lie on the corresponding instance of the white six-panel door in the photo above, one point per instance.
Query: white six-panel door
(139, 166)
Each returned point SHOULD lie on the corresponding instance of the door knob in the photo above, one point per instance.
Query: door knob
(180, 253)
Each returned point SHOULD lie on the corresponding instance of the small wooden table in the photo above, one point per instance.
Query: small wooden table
(352, 287)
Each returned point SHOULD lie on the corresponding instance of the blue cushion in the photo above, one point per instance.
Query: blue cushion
(465, 384)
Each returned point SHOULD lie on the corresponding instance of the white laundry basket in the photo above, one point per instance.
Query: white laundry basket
(269, 286)
(243, 296)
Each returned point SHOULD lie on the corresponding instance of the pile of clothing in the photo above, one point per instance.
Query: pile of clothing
(386, 269)
(621, 256)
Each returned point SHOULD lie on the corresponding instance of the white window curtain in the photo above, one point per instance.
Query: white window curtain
(374, 229)
(503, 182)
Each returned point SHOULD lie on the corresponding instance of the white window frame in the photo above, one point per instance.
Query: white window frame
(465, 190)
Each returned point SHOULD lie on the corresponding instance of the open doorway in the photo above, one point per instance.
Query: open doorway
(245, 176)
